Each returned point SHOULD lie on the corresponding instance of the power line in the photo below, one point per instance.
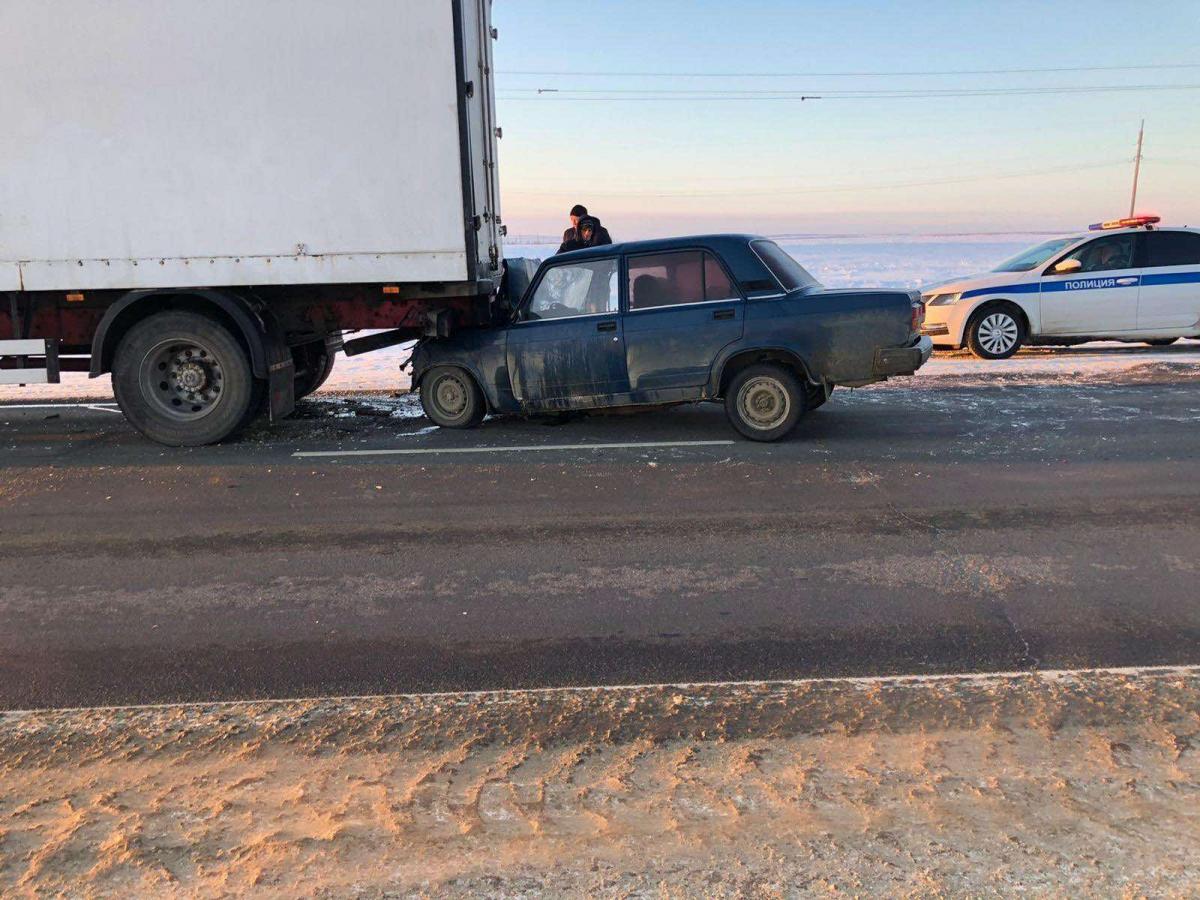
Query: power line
(571, 180)
(841, 188)
(914, 73)
(651, 94)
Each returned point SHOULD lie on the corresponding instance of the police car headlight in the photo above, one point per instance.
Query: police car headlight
(944, 299)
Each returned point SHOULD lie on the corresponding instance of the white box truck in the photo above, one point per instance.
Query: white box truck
(203, 198)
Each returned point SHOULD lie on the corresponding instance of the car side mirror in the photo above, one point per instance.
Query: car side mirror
(1067, 266)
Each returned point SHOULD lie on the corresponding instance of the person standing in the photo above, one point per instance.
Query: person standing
(578, 211)
(585, 231)
(592, 233)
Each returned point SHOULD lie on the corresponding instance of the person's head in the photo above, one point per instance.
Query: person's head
(1109, 254)
(578, 211)
(587, 229)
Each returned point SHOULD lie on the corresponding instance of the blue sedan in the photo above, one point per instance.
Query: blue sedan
(729, 318)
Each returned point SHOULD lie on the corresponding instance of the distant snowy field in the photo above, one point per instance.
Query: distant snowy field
(850, 262)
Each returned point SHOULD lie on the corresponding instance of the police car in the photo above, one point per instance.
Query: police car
(1125, 280)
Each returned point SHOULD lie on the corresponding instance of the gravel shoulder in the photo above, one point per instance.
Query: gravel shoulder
(1059, 783)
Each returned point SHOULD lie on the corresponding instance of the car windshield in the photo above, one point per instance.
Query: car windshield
(1034, 256)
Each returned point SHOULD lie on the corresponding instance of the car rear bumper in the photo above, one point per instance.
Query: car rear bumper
(902, 360)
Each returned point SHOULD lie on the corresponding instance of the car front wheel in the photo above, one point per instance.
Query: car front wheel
(995, 332)
(764, 402)
(451, 398)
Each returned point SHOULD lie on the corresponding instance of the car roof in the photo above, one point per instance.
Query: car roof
(662, 245)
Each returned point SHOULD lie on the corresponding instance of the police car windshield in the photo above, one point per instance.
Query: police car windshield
(1034, 256)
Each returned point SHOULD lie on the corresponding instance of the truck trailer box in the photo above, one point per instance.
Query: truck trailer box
(162, 143)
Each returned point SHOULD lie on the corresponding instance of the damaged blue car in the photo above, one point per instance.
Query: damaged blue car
(723, 318)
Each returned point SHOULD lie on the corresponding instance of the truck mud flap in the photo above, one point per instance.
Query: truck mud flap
(281, 370)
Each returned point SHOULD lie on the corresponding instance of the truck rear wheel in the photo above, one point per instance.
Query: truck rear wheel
(451, 398)
(314, 364)
(184, 380)
(764, 402)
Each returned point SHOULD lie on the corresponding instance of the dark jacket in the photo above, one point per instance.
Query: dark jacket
(573, 237)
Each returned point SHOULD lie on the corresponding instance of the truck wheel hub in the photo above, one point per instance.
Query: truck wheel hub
(191, 376)
(182, 380)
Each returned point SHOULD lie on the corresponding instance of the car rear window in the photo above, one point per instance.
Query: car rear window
(786, 270)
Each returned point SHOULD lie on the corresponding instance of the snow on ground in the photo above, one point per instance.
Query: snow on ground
(1050, 784)
(844, 263)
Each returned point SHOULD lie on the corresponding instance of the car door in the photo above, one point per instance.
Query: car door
(1100, 295)
(1170, 291)
(565, 349)
(682, 309)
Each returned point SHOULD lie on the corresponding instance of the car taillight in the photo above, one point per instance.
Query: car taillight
(918, 315)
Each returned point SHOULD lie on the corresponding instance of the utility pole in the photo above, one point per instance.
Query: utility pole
(1137, 167)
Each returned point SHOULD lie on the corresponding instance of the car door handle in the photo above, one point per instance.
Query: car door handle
(724, 314)
(606, 326)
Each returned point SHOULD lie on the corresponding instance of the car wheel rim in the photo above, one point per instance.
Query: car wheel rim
(183, 380)
(450, 395)
(764, 403)
(998, 333)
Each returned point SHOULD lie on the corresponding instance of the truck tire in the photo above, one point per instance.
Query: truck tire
(314, 364)
(451, 398)
(996, 331)
(183, 379)
(764, 402)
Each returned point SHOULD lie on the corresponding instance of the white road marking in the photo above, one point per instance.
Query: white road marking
(98, 407)
(1185, 671)
(411, 451)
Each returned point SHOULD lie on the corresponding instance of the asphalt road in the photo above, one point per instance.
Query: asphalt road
(946, 524)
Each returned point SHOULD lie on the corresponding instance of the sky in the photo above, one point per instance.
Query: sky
(651, 161)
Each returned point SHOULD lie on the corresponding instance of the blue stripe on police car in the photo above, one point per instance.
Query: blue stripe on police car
(1086, 284)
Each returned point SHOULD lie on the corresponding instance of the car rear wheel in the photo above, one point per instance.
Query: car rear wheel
(451, 398)
(995, 332)
(1162, 342)
(764, 402)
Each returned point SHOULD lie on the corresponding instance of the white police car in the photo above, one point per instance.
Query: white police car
(1134, 282)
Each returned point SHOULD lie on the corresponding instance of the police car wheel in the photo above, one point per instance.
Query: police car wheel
(995, 332)
(451, 398)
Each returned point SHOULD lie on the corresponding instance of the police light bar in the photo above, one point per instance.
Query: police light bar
(1132, 222)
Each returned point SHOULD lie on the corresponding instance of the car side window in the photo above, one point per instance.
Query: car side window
(1173, 248)
(717, 285)
(579, 289)
(676, 278)
(1104, 254)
